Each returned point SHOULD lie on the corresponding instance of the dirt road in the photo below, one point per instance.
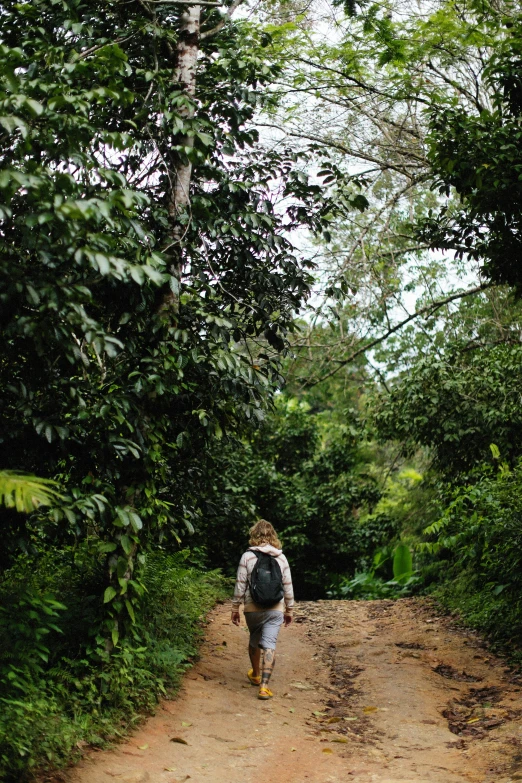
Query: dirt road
(365, 692)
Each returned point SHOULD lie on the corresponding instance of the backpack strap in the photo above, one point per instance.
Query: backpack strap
(258, 555)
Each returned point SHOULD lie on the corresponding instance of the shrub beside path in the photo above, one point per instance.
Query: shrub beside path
(369, 692)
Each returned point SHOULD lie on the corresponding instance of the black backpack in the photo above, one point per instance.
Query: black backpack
(266, 581)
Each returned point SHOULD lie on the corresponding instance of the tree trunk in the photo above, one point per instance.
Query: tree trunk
(179, 197)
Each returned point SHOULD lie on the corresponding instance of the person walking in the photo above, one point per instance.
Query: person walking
(264, 585)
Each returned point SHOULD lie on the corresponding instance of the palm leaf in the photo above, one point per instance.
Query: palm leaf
(25, 492)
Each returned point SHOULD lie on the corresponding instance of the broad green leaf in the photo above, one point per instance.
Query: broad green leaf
(130, 610)
(11, 123)
(135, 521)
(109, 594)
(402, 563)
(126, 544)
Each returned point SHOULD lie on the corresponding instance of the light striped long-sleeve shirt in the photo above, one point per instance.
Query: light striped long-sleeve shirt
(242, 592)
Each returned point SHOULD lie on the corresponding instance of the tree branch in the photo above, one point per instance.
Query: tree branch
(383, 165)
(431, 308)
(221, 24)
(363, 85)
(86, 52)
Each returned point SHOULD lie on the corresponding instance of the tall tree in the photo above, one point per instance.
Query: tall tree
(103, 384)
(474, 149)
(365, 96)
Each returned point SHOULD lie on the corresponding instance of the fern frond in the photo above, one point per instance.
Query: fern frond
(25, 492)
(437, 527)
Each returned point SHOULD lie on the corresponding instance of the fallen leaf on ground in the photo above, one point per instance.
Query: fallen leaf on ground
(319, 713)
(350, 718)
(333, 720)
(302, 686)
(169, 769)
(340, 739)
(327, 750)
(179, 739)
(143, 747)
(292, 709)
(185, 723)
(292, 750)
(368, 710)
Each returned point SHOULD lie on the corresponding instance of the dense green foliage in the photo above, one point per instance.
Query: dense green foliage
(478, 153)
(460, 399)
(458, 406)
(474, 550)
(55, 700)
(99, 386)
(118, 379)
(312, 478)
(474, 546)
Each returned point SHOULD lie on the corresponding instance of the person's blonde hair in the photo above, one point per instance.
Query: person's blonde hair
(263, 533)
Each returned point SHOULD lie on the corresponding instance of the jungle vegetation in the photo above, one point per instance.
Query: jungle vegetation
(257, 259)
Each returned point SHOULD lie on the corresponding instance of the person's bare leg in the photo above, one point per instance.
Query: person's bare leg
(268, 666)
(255, 660)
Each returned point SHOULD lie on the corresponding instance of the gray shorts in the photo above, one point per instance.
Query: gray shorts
(264, 628)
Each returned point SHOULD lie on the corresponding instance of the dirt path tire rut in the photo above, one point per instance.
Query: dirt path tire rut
(369, 692)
